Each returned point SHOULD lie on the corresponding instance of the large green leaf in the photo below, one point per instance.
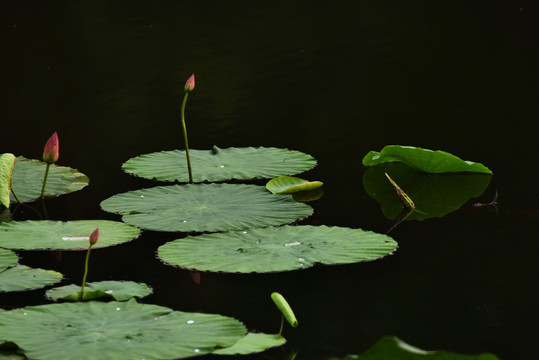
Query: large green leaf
(392, 348)
(117, 290)
(23, 277)
(115, 330)
(205, 207)
(7, 162)
(57, 235)
(7, 259)
(425, 160)
(252, 343)
(220, 164)
(28, 177)
(276, 249)
(434, 195)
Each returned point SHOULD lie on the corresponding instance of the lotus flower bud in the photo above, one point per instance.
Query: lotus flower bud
(94, 236)
(190, 84)
(51, 151)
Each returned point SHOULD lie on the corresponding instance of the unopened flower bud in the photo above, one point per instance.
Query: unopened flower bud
(190, 84)
(51, 151)
(94, 236)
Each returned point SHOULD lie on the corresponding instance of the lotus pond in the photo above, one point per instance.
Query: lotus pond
(316, 223)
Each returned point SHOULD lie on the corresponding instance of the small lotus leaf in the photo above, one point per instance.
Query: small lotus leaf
(205, 207)
(291, 184)
(117, 290)
(23, 277)
(96, 330)
(390, 347)
(276, 249)
(28, 177)
(252, 343)
(57, 235)
(425, 160)
(434, 195)
(7, 162)
(7, 259)
(220, 164)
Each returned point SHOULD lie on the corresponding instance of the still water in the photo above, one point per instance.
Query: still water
(335, 81)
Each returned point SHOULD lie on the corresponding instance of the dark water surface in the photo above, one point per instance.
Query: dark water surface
(334, 80)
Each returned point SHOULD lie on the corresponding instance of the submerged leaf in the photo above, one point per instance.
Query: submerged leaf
(276, 249)
(205, 207)
(425, 160)
(57, 235)
(7, 162)
(220, 164)
(28, 179)
(290, 184)
(23, 277)
(118, 290)
(115, 330)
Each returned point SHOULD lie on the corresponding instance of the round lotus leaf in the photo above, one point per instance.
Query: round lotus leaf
(115, 330)
(23, 277)
(425, 160)
(7, 259)
(28, 177)
(117, 290)
(291, 184)
(276, 249)
(252, 343)
(57, 235)
(205, 207)
(220, 164)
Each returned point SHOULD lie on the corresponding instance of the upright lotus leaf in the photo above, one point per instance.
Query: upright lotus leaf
(425, 160)
(220, 164)
(7, 259)
(291, 184)
(115, 330)
(7, 162)
(28, 179)
(23, 277)
(434, 195)
(205, 207)
(275, 249)
(390, 347)
(57, 235)
(117, 290)
(252, 343)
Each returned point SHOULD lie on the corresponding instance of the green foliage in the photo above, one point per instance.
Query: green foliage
(22, 277)
(290, 184)
(252, 343)
(284, 308)
(117, 290)
(7, 259)
(425, 160)
(7, 162)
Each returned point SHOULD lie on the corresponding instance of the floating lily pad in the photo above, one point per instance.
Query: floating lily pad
(117, 290)
(57, 235)
(7, 259)
(252, 343)
(205, 207)
(291, 184)
(220, 164)
(7, 162)
(28, 177)
(434, 195)
(276, 249)
(425, 160)
(23, 277)
(390, 347)
(115, 330)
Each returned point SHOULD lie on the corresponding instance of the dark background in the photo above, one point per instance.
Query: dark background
(334, 80)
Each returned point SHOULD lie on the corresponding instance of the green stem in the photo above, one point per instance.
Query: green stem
(185, 137)
(16, 197)
(85, 272)
(45, 181)
(282, 325)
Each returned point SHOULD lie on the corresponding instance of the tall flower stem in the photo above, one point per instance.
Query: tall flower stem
(185, 138)
(85, 272)
(45, 181)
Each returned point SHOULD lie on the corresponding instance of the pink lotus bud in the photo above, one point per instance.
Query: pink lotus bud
(51, 151)
(94, 236)
(190, 84)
